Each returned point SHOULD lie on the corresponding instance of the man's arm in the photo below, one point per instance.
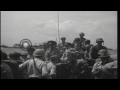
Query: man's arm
(45, 72)
(23, 65)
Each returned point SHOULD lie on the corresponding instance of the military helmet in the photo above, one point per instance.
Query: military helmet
(99, 40)
(87, 41)
(63, 38)
(81, 34)
(103, 53)
(39, 52)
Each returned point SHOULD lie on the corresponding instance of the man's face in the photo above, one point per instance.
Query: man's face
(81, 36)
(63, 40)
(100, 43)
(51, 46)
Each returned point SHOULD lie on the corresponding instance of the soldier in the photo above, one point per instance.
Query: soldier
(61, 46)
(14, 64)
(52, 50)
(81, 39)
(104, 59)
(76, 41)
(23, 57)
(36, 68)
(86, 55)
(95, 49)
(6, 71)
(87, 42)
(51, 66)
(30, 52)
(45, 46)
(68, 48)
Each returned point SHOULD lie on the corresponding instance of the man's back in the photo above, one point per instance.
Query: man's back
(30, 67)
(6, 71)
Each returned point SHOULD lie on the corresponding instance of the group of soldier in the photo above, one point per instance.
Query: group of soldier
(77, 60)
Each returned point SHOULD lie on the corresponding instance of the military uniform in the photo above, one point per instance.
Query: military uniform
(65, 54)
(81, 40)
(96, 68)
(6, 71)
(103, 60)
(36, 68)
(51, 68)
(110, 70)
(95, 49)
(50, 52)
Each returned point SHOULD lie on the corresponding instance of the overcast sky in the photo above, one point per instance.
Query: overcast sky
(40, 26)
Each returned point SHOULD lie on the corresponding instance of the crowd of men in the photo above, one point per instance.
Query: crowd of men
(77, 60)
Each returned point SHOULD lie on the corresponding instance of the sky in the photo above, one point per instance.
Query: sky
(41, 26)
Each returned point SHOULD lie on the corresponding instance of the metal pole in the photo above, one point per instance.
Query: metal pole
(58, 27)
(58, 34)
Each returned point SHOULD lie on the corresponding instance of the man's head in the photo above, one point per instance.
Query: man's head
(81, 34)
(104, 55)
(24, 55)
(87, 41)
(67, 45)
(77, 40)
(39, 53)
(52, 44)
(63, 39)
(30, 50)
(99, 41)
(87, 47)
